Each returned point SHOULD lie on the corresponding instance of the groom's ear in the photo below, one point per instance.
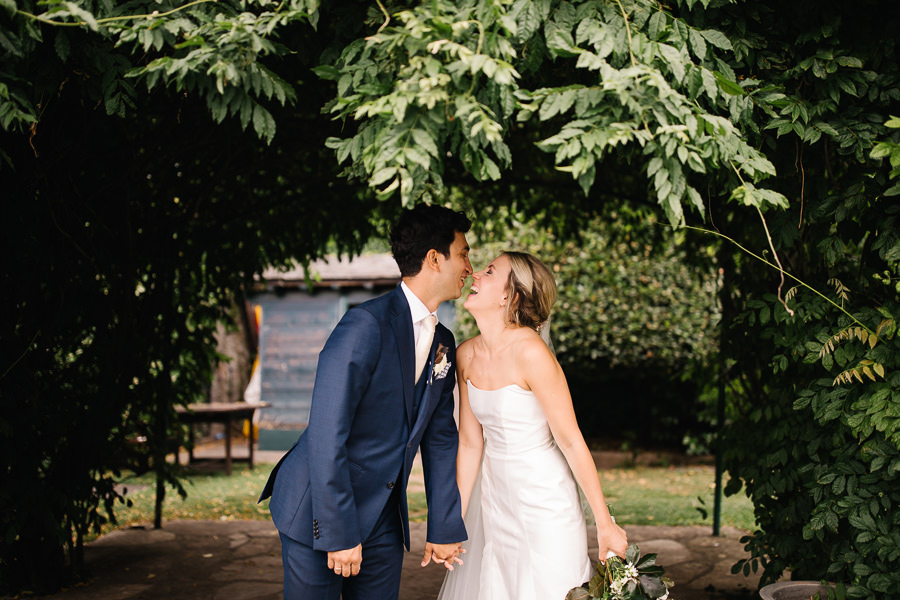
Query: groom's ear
(431, 260)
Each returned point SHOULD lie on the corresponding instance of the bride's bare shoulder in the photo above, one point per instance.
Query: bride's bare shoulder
(530, 347)
(466, 350)
(465, 356)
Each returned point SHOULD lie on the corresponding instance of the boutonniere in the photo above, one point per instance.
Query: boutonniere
(441, 364)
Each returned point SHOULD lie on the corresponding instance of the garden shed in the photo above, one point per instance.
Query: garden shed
(295, 318)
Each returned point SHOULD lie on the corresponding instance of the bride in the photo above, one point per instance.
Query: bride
(519, 446)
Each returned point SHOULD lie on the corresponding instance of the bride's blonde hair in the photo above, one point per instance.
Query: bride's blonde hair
(531, 290)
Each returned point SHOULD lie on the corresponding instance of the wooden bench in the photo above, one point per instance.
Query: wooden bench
(220, 412)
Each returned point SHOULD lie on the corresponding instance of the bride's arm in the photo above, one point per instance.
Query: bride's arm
(546, 379)
(471, 438)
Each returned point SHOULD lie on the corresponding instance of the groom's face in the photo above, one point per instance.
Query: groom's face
(456, 269)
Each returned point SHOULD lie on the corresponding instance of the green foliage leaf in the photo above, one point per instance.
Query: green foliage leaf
(263, 123)
(328, 72)
(717, 39)
(656, 25)
(698, 43)
(653, 587)
(728, 86)
(561, 43)
(76, 11)
(579, 594)
(62, 47)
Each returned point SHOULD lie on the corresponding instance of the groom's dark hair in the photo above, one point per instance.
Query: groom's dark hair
(422, 228)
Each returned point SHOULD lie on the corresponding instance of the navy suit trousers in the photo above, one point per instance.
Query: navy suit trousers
(307, 576)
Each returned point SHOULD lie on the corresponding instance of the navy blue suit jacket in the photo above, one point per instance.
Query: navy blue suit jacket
(330, 488)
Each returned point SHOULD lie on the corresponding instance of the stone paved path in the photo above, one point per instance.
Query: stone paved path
(241, 560)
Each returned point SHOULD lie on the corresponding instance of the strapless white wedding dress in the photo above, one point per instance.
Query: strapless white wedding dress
(527, 534)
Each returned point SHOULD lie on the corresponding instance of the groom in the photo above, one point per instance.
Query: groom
(338, 497)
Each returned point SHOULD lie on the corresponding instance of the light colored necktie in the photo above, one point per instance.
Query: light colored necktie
(423, 346)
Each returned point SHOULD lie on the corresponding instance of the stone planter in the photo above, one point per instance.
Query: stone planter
(794, 590)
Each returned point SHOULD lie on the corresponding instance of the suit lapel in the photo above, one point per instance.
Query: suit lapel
(431, 387)
(403, 331)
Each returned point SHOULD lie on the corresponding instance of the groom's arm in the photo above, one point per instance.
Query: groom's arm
(343, 373)
(439, 446)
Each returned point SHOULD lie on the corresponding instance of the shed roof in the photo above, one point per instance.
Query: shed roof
(337, 271)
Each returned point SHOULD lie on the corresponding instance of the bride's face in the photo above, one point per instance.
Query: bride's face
(488, 288)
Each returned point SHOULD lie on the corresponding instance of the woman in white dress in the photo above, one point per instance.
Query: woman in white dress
(519, 447)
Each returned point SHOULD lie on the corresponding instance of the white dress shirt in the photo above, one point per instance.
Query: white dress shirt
(417, 311)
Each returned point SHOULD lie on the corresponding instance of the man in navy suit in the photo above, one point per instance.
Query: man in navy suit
(338, 497)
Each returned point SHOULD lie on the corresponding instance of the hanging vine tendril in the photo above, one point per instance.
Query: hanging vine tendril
(153, 15)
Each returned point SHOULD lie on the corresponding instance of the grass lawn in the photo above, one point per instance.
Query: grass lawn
(637, 496)
(671, 496)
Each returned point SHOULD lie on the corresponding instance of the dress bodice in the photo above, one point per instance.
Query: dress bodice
(512, 420)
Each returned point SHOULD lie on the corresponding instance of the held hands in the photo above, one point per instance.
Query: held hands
(345, 562)
(446, 554)
(612, 541)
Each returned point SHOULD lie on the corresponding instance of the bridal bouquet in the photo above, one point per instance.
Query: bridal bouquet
(636, 578)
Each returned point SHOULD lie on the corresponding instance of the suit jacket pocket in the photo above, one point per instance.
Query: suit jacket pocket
(356, 471)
